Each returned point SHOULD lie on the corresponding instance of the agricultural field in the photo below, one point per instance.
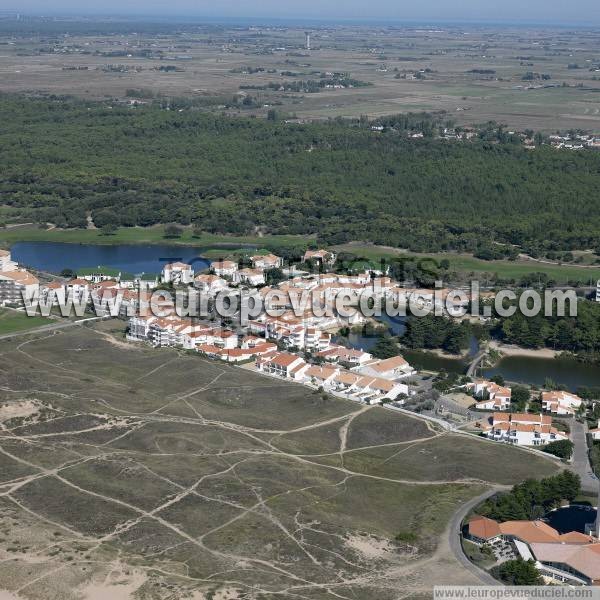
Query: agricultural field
(542, 79)
(128, 469)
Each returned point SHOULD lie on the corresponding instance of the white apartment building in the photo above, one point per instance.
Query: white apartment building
(13, 284)
(560, 402)
(523, 429)
(6, 262)
(177, 273)
(224, 268)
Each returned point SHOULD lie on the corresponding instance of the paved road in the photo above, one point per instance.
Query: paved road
(51, 327)
(581, 462)
(456, 546)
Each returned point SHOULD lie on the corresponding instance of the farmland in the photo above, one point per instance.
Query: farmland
(474, 73)
(133, 469)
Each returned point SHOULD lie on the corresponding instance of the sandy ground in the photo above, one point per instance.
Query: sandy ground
(26, 408)
(508, 350)
(463, 399)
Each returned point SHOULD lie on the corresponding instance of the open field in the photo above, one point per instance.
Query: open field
(130, 469)
(474, 73)
(11, 321)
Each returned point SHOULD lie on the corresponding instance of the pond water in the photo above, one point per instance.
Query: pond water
(129, 258)
(571, 518)
(532, 370)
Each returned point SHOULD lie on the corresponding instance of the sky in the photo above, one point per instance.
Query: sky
(585, 12)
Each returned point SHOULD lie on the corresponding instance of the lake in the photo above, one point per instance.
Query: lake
(135, 259)
(534, 371)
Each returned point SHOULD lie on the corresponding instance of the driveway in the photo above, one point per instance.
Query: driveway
(581, 462)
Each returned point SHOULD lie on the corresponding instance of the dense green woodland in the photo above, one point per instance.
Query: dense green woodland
(61, 158)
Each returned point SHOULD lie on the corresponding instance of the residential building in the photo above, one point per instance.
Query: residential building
(267, 261)
(349, 356)
(53, 293)
(283, 364)
(210, 284)
(491, 395)
(252, 277)
(560, 402)
(321, 256)
(224, 268)
(6, 262)
(390, 368)
(13, 284)
(522, 429)
(177, 273)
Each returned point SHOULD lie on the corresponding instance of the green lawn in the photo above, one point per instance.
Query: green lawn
(466, 264)
(12, 321)
(140, 235)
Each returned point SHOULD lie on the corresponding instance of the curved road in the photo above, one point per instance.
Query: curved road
(456, 546)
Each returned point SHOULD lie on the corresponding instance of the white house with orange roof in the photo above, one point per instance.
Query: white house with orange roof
(6, 262)
(53, 292)
(210, 284)
(224, 268)
(395, 367)
(252, 277)
(177, 273)
(13, 284)
(321, 376)
(522, 429)
(560, 402)
(491, 395)
(349, 356)
(283, 364)
(266, 261)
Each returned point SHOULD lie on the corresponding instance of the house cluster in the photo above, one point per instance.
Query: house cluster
(293, 345)
(571, 558)
(14, 280)
(522, 429)
(575, 142)
(373, 382)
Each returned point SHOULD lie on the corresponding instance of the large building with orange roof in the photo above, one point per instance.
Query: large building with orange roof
(572, 557)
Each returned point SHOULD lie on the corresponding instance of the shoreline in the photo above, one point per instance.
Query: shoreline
(511, 350)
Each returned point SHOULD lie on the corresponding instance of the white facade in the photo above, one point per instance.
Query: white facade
(177, 273)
